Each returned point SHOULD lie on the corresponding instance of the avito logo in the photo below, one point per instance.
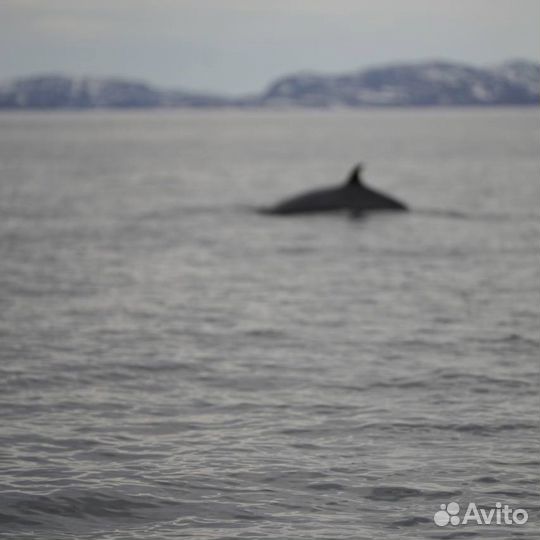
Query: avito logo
(500, 515)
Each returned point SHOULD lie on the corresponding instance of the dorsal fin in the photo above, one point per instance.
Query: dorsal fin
(355, 176)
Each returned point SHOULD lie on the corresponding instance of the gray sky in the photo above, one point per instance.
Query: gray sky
(240, 45)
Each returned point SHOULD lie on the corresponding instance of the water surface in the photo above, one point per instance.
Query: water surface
(174, 365)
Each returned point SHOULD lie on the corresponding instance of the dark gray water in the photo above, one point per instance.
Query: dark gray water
(174, 365)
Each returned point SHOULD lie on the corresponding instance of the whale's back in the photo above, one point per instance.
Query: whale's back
(354, 195)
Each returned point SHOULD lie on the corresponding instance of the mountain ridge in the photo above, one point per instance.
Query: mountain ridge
(420, 84)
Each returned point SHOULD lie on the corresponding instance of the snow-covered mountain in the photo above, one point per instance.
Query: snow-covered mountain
(420, 84)
(425, 84)
(62, 92)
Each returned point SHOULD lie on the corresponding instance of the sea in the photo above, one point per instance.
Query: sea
(173, 364)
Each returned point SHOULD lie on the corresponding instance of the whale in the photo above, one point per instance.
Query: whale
(353, 195)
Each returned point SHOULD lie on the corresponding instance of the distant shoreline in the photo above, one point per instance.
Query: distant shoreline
(419, 85)
(264, 110)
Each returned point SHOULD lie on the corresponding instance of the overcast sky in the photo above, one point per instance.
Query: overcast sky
(240, 45)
